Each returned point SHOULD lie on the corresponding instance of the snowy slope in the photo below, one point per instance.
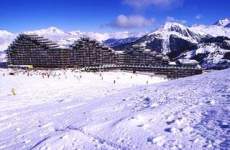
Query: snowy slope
(211, 56)
(160, 116)
(212, 30)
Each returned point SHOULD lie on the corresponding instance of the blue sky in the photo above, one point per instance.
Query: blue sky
(107, 15)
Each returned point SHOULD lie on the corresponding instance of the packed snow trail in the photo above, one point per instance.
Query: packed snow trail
(189, 113)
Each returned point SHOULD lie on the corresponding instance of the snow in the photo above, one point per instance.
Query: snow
(188, 62)
(203, 49)
(215, 56)
(67, 82)
(176, 29)
(192, 34)
(223, 22)
(91, 113)
(212, 30)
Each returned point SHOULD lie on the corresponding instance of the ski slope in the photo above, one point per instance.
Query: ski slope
(113, 110)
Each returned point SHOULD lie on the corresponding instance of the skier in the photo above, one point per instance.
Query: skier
(13, 92)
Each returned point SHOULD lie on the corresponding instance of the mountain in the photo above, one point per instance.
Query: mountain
(57, 35)
(168, 39)
(116, 42)
(223, 22)
(209, 45)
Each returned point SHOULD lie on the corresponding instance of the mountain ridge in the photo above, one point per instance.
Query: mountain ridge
(179, 41)
(223, 22)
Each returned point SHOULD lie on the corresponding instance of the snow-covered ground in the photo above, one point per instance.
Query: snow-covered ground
(35, 87)
(113, 110)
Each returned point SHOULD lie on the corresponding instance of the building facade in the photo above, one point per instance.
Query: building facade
(39, 52)
(88, 52)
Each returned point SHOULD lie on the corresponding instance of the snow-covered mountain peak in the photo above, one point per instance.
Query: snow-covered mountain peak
(223, 22)
(54, 30)
(47, 31)
(173, 26)
(180, 29)
(175, 29)
(169, 27)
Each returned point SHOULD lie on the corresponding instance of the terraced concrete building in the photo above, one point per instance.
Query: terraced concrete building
(138, 55)
(88, 52)
(37, 51)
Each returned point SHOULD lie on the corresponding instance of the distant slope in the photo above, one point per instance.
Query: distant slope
(117, 42)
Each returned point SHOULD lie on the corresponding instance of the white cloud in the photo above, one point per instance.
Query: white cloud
(158, 3)
(5, 39)
(198, 16)
(135, 21)
(172, 19)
